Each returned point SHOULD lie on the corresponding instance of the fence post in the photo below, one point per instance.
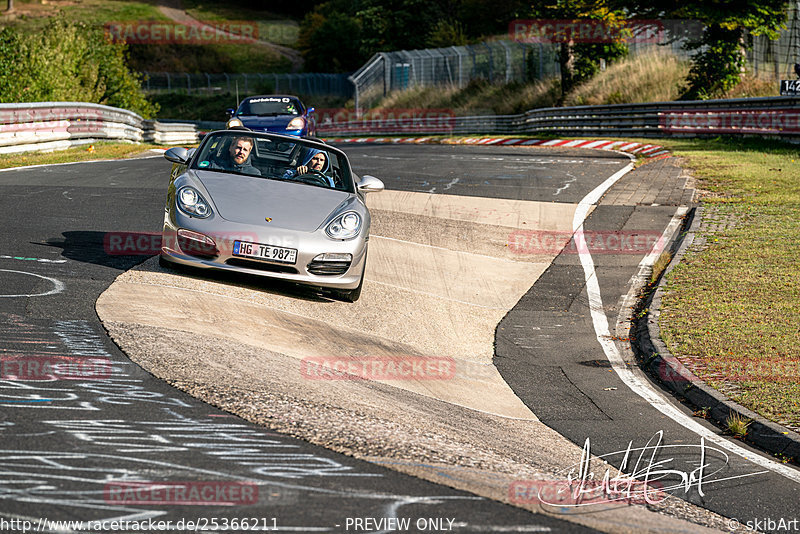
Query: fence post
(508, 60)
(491, 62)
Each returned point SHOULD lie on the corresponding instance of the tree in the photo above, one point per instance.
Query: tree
(719, 55)
(579, 58)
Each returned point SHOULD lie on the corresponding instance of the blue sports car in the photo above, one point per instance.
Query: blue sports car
(281, 114)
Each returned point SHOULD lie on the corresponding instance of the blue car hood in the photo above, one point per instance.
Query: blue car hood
(253, 121)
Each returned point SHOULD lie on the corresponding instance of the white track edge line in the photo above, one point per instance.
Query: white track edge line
(603, 334)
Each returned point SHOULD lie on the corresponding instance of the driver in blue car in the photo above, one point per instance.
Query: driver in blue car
(315, 162)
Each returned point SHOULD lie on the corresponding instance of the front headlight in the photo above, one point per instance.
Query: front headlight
(345, 226)
(192, 202)
(298, 123)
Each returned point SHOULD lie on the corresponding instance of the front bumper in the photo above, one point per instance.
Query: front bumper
(308, 245)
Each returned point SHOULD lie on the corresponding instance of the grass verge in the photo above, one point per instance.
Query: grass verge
(652, 77)
(729, 312)
(81, 153)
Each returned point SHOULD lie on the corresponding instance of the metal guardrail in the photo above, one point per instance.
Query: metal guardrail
(57, 125)
(768, 116)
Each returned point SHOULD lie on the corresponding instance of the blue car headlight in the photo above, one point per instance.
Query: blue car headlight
(190, 201)
(345, 226)
(297, 123)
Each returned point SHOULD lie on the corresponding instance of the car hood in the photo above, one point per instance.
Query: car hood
(254, 121)
(289, 205)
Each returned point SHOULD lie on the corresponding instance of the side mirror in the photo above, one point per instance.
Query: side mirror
(370, 184)
(230, 112)
(177, 155)
(310, 110)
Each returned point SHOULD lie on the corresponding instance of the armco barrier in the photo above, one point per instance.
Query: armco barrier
(58, 125)
(55, 125)
(768, 116)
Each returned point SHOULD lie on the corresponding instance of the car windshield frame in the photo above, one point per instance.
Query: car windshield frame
(276, 157)
(271, 106)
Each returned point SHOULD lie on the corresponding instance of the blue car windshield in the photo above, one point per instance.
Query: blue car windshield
(270, 105)
(275, 157)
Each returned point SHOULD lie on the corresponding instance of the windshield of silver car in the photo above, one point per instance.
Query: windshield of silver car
(277, 158)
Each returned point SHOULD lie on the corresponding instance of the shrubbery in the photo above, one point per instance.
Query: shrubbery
(68, 62)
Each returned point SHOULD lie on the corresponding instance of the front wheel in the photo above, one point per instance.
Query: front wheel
(350, 295)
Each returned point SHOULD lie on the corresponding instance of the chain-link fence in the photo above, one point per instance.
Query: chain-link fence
(307, 84)
(775, 59)
(499, 61)
(505, 61)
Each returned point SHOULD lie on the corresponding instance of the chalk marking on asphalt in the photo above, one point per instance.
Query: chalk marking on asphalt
(22, 258)
(39, 166)
(603, 334)
(58, 285)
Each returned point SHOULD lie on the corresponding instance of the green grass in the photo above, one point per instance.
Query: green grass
(82, 153)
(272, 27)
(30, 16)
(655, 77)
(730, 311)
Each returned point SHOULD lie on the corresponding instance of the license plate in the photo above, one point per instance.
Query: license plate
(264, 252)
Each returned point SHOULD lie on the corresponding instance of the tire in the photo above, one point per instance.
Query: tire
(351, 295)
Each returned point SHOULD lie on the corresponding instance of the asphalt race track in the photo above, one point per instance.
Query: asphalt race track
(78, 448)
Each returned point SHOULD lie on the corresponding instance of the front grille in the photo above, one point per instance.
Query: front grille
(197, 249)
(328, 267)
(252, 264)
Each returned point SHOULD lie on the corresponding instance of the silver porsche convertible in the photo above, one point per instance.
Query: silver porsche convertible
(269, 205)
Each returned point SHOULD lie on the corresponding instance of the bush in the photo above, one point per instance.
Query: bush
(68, 62)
